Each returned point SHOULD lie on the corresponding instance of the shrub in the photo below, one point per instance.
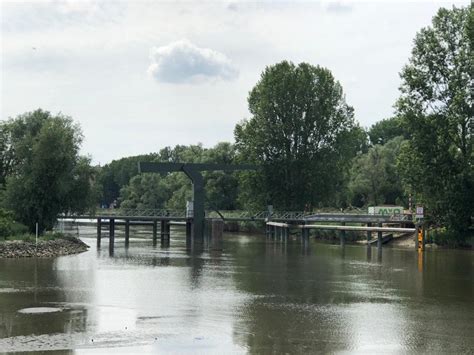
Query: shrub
(6, 223)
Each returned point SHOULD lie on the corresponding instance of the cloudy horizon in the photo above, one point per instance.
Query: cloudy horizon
(139, 76)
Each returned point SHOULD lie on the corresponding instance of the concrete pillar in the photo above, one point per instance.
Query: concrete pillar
(168, 230)
(369, 233)
(342, 236)
(189, 229)
(99, 231)
(127, 232)
(155, 231)
(111, 233)
(162, 230)
(379, 237)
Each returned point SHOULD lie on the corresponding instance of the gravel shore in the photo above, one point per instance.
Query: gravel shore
(48, 248)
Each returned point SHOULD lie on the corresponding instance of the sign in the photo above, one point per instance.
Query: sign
(420, 238)
(419, 212)
(386, 210)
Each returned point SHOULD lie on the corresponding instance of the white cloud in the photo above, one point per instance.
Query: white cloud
(183, 62)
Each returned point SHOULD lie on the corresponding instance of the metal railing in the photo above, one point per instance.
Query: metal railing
(240, 215)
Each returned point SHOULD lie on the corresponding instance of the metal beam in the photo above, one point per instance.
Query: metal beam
(193, 171)
(147, 167)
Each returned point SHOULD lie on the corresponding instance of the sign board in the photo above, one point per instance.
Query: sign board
(386, 210)
(419, 211)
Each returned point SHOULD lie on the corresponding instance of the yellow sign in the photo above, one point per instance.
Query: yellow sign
(420, 238)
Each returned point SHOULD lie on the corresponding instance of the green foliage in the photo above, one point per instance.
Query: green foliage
(48, 177)
(303, 135)
(146, 191)
(374, 179)
(6, 223)
(114, 176)
(436, 107)
(383, 131)
(171, 191)
(446, 237)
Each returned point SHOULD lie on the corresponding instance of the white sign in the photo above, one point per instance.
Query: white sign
(419, 211)
(386, 210)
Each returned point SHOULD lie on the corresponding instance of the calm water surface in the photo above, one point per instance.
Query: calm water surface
(253, 296)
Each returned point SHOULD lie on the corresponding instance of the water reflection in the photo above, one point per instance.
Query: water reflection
(242, 294)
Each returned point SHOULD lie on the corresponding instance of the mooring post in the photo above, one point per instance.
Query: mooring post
(127, 232)
(189, 229)
(342, 236)
(168, 230)
(111, 233)
(369, 234)
(162, 230)
(99, 231)
(155, 231)
(379, 237)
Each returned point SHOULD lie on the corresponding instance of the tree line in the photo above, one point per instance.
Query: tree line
(301, 132)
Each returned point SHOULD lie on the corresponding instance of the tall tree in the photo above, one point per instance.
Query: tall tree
(303, 134)
(383, 131)
(48, 176)
(374, 178)
(436, 106)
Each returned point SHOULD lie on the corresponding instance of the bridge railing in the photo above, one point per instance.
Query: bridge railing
(133, 212)
(244, 215)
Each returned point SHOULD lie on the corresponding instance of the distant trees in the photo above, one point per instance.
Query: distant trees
(117, 174)
(171, 191)
(301, 132)
(383, 131)
(436, 106)
(42, 172)
(374, 178)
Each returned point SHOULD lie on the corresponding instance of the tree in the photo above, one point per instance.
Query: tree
(436, 106)
(48, 176)
(374, 179)
(172, 190)
(383, 131)
(145, 191)
(112, 177)
(301, 132)
(6, 153)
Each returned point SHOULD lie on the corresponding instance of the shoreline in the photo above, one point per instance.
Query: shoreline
(44, 249)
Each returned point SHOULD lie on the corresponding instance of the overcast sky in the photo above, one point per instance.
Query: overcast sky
(141, 75)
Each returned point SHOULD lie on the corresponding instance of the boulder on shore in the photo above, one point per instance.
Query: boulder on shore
(45, 248)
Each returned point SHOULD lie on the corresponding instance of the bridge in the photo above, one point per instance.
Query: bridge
(277, 223)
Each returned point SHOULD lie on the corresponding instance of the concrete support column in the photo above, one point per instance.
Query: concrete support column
(379, 237)
(342, 236)
(111, 234)
(99, 231)
(127, 232)
(155, 231)
(168, 230)
(162, 230)
(189, 229)
(369, 233)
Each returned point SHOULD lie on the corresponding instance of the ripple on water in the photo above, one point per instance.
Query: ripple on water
(39, 310)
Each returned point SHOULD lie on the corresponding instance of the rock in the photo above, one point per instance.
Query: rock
(48, 248)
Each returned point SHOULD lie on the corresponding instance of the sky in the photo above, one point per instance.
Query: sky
(141, 75)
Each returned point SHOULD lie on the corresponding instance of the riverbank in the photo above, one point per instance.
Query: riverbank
(45, 248)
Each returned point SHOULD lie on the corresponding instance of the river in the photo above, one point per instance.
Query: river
(255, 295)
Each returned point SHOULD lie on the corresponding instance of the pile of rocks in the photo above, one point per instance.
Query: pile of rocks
(48, 248)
